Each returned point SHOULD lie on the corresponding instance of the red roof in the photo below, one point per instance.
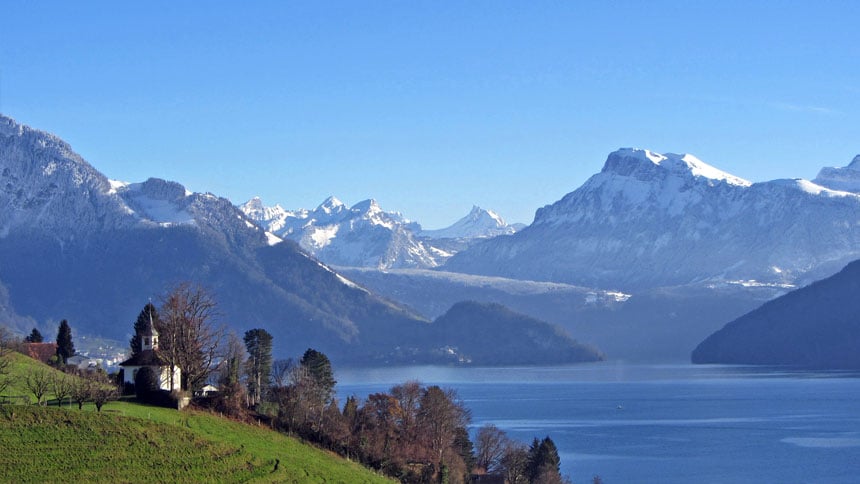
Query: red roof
(41, 351)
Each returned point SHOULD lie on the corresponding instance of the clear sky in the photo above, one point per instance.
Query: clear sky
(431, 107)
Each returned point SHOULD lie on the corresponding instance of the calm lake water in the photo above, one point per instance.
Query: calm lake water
(662, 423)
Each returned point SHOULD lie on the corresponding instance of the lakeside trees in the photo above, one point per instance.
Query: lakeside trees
(414, 433)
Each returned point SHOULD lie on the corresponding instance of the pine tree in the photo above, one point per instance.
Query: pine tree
(258, 343)
(141, 324)
(65, 346)
(34, 337)
(320, 371)
(543, 460)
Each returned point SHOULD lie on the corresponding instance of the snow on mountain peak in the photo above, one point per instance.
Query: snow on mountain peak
(369, 205)
(644, 164)
(479, 223)
(659, 219)
(843, 179)
(255, 204)
(331, 205)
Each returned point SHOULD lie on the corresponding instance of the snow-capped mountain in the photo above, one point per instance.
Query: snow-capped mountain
(46, 187)
(44, 184)
(363, 235)
(649, 219)
(845, 179)
(76, 245)
(479, 223)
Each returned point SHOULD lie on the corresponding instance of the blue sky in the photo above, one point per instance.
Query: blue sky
(431, 107)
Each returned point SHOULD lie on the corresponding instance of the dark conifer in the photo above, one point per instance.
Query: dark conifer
(65, 346)
(141, 324)
(320, 371)
(34, 337)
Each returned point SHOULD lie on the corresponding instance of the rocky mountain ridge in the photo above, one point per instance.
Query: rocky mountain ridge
(365, 235)
(75, 245)
(650, 220)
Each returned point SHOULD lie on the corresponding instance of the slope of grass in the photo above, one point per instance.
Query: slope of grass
(130, 442)
(296, 462)
(20, 366)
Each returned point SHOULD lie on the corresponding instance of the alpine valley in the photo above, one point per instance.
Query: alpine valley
(643, 261)
(75, 245)
(648, 257)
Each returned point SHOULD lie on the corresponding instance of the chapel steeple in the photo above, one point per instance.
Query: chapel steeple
(149, 335)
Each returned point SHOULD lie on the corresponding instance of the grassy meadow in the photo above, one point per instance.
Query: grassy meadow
(130, 442)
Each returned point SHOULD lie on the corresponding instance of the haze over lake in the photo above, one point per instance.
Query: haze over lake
(662, 423)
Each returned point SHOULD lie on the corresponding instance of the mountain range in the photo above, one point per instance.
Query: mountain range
(650, 255)
(651, 220)
(645, 259)
(75, 245)
(364, 235)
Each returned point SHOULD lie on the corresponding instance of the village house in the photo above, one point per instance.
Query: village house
(149, 357)
(43, 352)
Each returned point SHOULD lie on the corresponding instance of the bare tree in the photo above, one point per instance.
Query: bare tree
(441, 413)
(188, 337)
(82, 390)
(408, 395)
(103, 392)
(61, 385)
(281, 372)
(514, 464)
(232, 398)
(491, 444)
(38, 382)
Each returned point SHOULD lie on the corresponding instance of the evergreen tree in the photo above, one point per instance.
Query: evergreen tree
(543, 460)
(141, 324)
(145, 383)
(319, 368)
(65, 346)
(34, 337)
(258, 343)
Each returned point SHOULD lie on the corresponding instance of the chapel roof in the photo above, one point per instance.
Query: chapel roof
(145, 358)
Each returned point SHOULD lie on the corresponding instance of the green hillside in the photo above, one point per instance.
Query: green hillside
(19, 367)
(129, 442)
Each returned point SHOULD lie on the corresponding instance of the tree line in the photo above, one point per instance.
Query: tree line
(415, 433)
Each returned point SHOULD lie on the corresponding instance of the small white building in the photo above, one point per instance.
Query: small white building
(84, 362)
(208, 390)
(149, 357)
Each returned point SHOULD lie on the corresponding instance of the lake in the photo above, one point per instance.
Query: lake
(662, 423)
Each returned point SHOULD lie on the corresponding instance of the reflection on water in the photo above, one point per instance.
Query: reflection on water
(662, 423)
